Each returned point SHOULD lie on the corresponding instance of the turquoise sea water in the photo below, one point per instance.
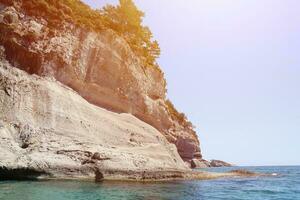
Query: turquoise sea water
(282, 187)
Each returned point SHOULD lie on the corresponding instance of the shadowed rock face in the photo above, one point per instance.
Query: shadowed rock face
(20, 174)
(99, 66)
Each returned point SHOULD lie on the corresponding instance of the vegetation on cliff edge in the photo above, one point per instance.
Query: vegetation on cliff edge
(125, 19)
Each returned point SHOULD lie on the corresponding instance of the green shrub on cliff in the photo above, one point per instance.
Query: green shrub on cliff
(125, 19)
(179, 117)
(53, 13)
(56, 11)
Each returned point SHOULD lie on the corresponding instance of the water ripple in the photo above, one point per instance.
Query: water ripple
(283, 187)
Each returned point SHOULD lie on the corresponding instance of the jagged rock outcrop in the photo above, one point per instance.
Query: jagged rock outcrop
(219, 163)
(99, 66)
(47, 129)
(201, 163)
(197, 163)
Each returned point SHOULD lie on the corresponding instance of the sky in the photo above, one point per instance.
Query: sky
(233, 66)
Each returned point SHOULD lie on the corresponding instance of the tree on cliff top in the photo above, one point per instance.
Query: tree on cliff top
(126, 19)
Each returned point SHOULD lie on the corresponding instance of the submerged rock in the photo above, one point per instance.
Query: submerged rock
(243, 172)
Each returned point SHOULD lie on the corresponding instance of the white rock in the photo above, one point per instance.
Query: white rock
(51, 128)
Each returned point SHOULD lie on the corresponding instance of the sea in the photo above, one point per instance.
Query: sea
(285, 185)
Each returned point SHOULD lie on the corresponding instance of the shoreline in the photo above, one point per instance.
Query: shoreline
(222, 188)
(123, 176)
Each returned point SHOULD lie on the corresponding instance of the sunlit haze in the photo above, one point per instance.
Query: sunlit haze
(234, 68)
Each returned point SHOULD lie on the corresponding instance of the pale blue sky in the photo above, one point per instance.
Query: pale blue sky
(233, 66)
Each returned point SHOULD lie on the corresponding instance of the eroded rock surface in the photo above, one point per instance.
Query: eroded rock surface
(219, 163)
(201, 163)
(99, 66)
(47, 129)
(197, 163)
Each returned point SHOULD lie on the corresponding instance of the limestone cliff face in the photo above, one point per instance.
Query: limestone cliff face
(48, 129)
(99, 66)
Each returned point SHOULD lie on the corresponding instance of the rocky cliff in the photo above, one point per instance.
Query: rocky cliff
(100, 66)
(47, 129)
